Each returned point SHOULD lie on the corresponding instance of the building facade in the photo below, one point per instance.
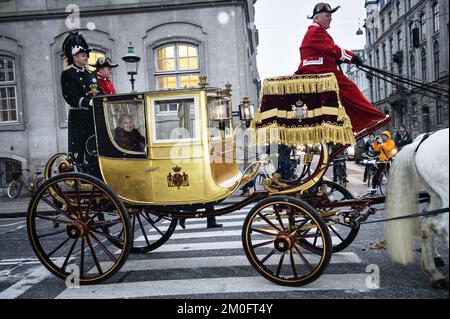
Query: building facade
(177, 40)
(358, 76)
(390, 46)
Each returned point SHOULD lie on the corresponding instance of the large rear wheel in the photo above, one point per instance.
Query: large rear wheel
(68, 238)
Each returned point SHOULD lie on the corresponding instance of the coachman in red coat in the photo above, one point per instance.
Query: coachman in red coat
(104, 68)
(319, 54)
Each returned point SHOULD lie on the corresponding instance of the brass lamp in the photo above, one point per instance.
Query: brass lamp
(220, 110)
(246, 111)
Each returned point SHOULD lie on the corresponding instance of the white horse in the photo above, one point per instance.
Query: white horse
(426, 169)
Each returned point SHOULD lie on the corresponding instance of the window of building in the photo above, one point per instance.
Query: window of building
(435, 10)
(391, 46)
(439, 112)
(412, 62)
(176, 66)
(8, 91)
(382, 25)
(414, 113)
(423, 59)
(423, 27)
(390, 17)
(397, 6)
(9, 169)
(436, 59)
(399, 40)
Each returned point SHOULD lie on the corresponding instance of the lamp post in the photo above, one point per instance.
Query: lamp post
(132, 64)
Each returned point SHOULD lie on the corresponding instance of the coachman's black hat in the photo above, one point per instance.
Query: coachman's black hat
(73, 44)
(103, 62)
(322, 7)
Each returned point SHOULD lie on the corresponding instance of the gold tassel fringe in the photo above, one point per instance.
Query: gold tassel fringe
(300, 84)
(324, 132)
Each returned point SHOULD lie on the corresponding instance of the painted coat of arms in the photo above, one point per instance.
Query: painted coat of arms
(177, 179)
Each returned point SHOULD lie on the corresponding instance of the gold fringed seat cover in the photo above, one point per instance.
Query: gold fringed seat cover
(303, 109)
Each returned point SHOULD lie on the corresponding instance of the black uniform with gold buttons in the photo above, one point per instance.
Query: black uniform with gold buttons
(77, 84)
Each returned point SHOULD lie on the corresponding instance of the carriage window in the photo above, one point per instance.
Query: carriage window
(126, 121)
(175, 120)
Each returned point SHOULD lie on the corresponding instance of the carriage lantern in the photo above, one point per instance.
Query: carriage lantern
(132, 64)
(246, 111)
(220, 110)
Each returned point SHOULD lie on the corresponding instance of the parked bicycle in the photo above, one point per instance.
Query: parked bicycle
(15, 187)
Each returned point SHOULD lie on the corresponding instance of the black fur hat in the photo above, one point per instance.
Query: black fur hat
(74, 43)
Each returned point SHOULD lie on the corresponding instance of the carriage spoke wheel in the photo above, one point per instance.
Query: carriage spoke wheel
(148, 231)
(342, 234)
(69, 239)
(272, 239)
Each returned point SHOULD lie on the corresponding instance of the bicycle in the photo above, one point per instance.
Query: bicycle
(15, 187)
(372, 166)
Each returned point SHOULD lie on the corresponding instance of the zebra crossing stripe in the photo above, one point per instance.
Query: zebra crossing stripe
(197, 286)
(210, 234)
(36, 276)
(217, 262)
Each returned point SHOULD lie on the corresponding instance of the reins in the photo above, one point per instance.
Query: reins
(425, 213)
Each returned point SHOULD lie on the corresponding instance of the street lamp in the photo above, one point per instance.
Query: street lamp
(132, 64)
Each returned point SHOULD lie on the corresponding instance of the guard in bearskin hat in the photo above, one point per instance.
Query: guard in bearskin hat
(319, 54)
(78, 86)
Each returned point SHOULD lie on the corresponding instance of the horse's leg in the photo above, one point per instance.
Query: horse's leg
(438, 261)
(427, 260)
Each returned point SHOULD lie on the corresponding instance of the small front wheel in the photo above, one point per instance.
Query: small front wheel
(14, 189)
(273, 236)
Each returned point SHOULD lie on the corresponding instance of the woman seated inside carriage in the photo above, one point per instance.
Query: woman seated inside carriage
(127, 137)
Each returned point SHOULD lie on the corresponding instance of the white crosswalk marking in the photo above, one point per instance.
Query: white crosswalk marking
(215, 262)
(210, 286)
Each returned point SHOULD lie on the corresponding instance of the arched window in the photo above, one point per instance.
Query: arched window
(9, 169)
(412, 63)
(423, 61)
(8, 91)
(436, 59)
(176, 66)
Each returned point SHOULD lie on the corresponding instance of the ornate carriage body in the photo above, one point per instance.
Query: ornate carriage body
(186, 159)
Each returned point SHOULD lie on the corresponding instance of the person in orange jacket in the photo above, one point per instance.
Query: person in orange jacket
(385, 145)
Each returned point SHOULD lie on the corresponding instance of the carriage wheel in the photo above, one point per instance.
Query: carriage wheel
(272, 239)
(68, 239)
(57, 164)
(342, 233)
(148, 230)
